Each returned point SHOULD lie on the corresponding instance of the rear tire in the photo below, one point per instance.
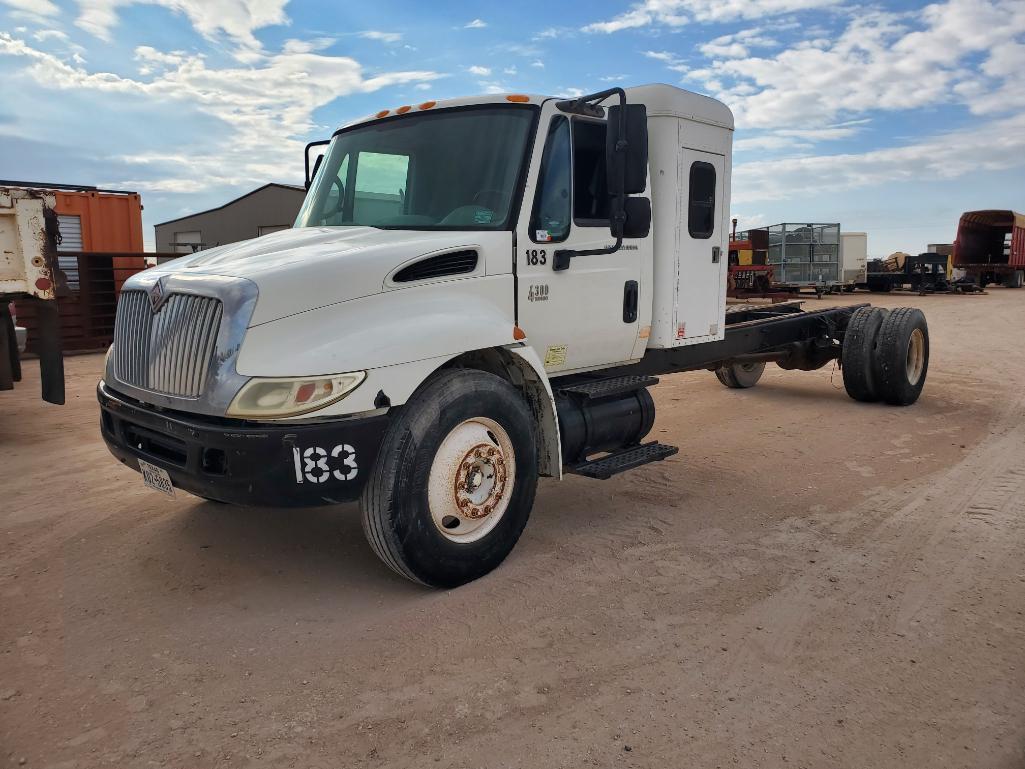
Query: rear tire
(454, 481)
(858, 353)
(902, 356)
(740, 376)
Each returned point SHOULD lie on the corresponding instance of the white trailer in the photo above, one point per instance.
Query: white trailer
(476, 292)
(853, 258)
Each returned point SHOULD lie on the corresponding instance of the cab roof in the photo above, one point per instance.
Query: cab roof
(660, 99)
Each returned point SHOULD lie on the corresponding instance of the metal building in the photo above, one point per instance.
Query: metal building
(266, 209)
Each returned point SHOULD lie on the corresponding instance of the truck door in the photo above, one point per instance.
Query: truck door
(590, 314)
(701, 289)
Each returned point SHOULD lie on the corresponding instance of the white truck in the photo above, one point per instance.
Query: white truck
(476, 292)
(29, 274)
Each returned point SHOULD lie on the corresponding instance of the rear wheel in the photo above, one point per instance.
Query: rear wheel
(455, 479)
(740, 376)
(858, 353)
(902, 356)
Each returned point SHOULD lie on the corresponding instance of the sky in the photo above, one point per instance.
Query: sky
(891, 118)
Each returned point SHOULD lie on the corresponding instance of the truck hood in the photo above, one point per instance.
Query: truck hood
(302, 269)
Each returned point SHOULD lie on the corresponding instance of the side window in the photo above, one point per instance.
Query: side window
(380, 186)
(550, 220)
(590, 186)
(701, 209)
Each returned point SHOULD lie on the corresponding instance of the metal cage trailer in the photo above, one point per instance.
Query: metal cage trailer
(432, 351)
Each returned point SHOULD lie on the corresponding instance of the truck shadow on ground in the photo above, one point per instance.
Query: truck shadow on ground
(275, 558)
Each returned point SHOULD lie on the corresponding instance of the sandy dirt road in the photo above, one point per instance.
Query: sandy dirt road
(810, 582)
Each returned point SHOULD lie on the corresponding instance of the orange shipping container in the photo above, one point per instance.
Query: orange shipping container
(109, 222)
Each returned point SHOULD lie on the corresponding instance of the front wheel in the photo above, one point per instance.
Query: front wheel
(455, 480)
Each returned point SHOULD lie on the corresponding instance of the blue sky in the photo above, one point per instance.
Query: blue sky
(890, 119)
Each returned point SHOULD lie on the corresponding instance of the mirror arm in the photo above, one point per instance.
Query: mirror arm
(589, 105)
(306, 158)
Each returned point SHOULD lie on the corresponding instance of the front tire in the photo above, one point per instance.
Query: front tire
(455, 480)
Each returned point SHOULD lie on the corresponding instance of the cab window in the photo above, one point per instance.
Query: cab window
(590, 186)
(550, 219)
(380, 188)
(701, 209)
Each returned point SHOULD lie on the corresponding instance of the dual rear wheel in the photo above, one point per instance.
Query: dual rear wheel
(886, 355)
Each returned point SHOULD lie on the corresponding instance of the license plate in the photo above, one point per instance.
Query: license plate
(156, 478)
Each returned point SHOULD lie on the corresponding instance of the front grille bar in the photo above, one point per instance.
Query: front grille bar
(168, 351)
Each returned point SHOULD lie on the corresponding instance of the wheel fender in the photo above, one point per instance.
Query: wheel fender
(538, 391)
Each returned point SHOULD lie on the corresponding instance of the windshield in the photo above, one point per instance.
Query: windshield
(451, 169)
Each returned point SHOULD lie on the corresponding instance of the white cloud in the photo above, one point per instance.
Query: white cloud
(537, 63)
(676, 13)
(268, 107)
(998, 145)
(665, 56)
(737, 45)
(32, 9)
(307, 46)
(475, 24)
(237, 19)
(384, 37)
(509, 71)
(572, 93)
(43, 35)
(669, 59)
(479, 71)
(879, 62)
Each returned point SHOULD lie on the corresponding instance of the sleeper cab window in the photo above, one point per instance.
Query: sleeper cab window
(550, 219)
(701, 209)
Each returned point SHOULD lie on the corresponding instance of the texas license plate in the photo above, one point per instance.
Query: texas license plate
(156, 478)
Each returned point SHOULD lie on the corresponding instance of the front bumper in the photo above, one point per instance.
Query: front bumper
(245, 463)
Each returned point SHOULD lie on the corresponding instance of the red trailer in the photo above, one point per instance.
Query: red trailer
(990, 247)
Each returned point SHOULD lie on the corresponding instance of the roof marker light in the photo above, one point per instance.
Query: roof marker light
(517, 97)
(382, 113)
(427, 104)
(403, 109)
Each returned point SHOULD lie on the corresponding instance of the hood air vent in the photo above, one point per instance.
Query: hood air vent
(452, 263)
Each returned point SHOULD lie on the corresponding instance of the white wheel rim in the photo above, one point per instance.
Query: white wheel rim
(471, 480)
(916, 356)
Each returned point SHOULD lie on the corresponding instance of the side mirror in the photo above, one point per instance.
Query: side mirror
(626, 149)
(316, 164)
(638, 218)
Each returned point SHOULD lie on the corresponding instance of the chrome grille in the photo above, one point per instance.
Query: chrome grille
(167, 351)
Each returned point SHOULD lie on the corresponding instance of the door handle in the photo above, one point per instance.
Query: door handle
(716, 254)
(630, 302)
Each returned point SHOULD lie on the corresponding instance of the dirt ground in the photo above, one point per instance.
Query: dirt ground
(810, 582)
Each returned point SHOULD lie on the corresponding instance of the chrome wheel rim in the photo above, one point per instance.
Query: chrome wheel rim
(916, 356)
(471, 480)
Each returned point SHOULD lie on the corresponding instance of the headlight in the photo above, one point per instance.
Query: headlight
(263, 398)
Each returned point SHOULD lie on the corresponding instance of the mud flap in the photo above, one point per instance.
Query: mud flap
(10, 363)
(48, 347)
